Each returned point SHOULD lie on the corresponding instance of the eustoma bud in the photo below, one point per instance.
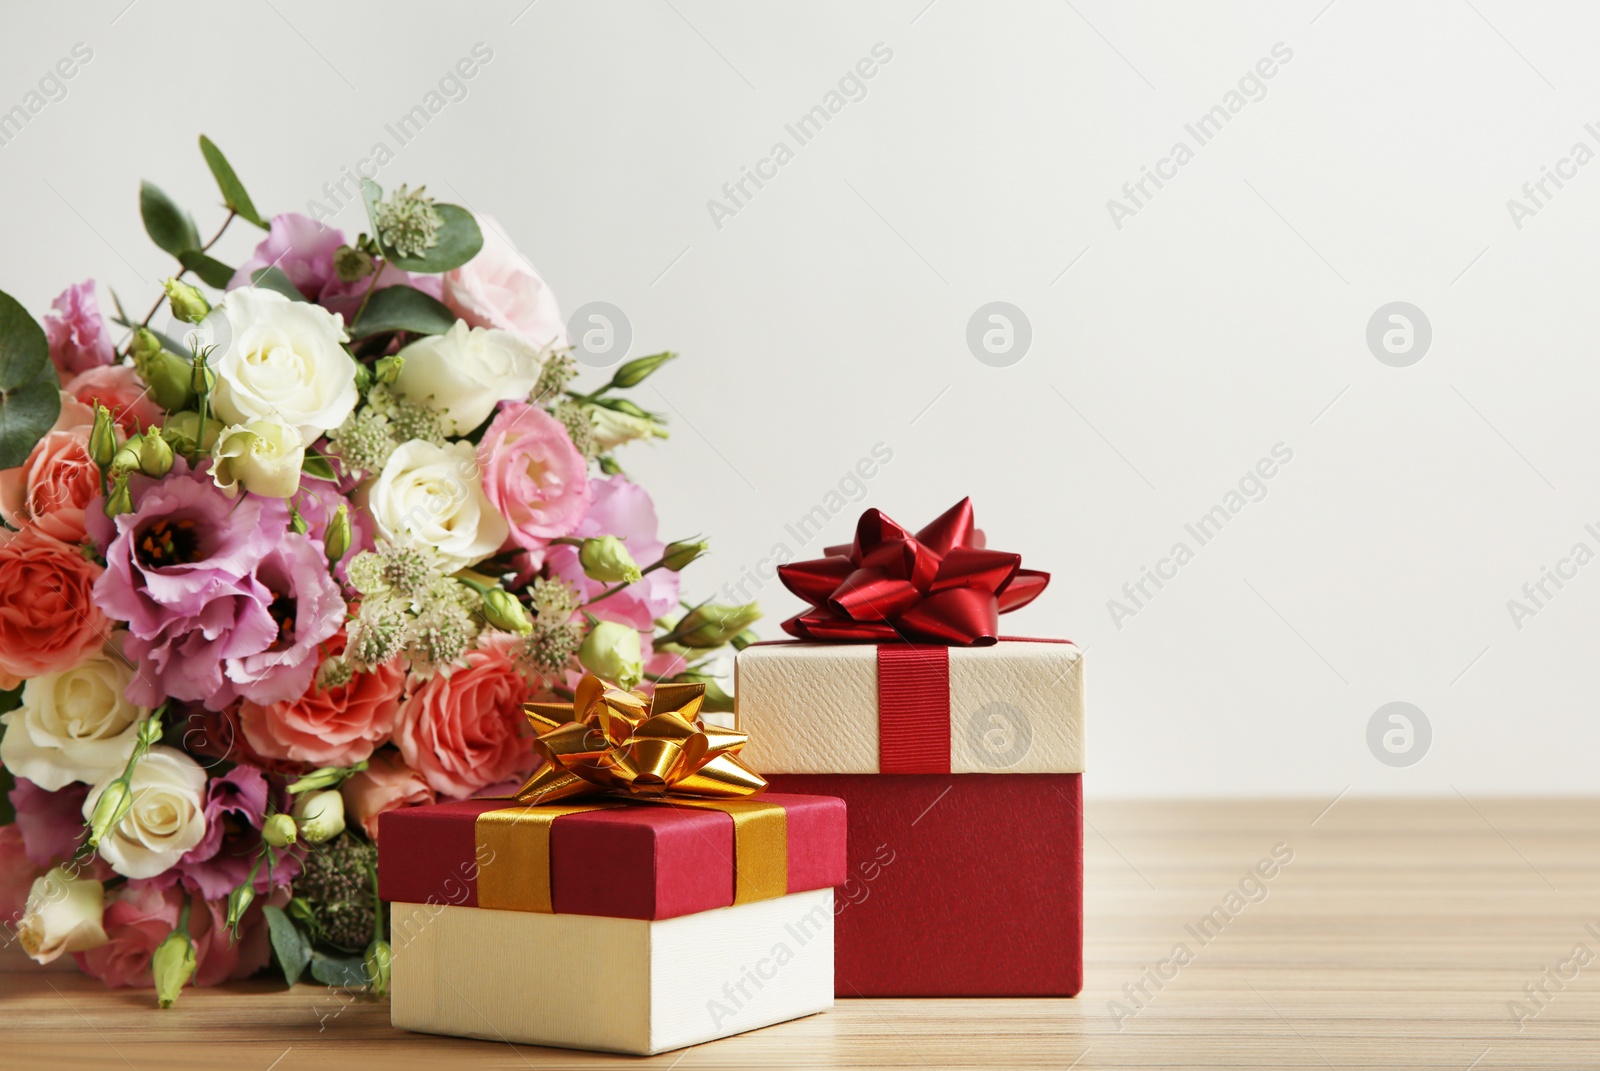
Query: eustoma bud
(321, 815)
(279, 830)
(713, 625)
(102, 437)
(164, 372)
(502, 610)
(155, 454)
(109, 809)
(606, 559)
(188, 304)
(638, 370)
(172, 965)
(679, 555)
(336, 540)
(613, 651)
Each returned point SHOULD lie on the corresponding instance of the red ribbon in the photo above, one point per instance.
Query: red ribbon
(939, 586)
(913, 709)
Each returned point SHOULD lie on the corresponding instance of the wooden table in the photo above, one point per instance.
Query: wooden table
(1399, 935)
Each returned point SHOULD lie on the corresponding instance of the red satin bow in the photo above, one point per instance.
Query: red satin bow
(938, 586)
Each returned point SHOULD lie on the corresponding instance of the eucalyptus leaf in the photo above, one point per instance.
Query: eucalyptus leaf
(26, 415)
(233, 193)
(212, 272)
(314, 464)
(291, 945)
(371, 194)
(349, 972)
(24, 350)
(272, 278)
(459, 241)
(169, 226)
(401, 308)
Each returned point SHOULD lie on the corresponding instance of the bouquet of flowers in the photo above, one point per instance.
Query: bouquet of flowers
(293, 557)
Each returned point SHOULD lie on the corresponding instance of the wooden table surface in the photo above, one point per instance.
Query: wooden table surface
(1401, 934)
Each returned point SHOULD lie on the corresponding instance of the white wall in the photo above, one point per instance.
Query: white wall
(1229, 314)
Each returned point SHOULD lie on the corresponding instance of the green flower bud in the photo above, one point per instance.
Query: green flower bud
(120, 500)
(351, 264)
(388, 369)
(336, 539)
(679, 555)
(378, 961)
(609, 466)
(712, 625)
(301, 911)
(744, 639)
(102, 437)
(201, 378)
(188, 304)
(155, 455)
(150, 731)
(297, 523)
(279, 830)
(126, 459)
(182, 429)
(363, 379)
(717, 699)
(321, 815)
(607, 559)
(113, 804)
(325, 777)
(172, 965)
(502, 610)
(239, 901)
(638, 370)
(164, 372)
(612, 651)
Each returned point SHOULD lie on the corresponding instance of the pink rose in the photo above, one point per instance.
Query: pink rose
(385, 785)
(77, 334)
(219, 957)
(51, 489)
(119, 389)
(467, 730)
(141, 916)
(48, 617)
(16, 875)
(534, 476)
(336, 726)
(499, 288)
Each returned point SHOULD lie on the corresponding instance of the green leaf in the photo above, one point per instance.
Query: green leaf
(233, 194)
(292, 946)
(401, 308)
(349, 972)
(371, 194)
(30, 390)
(272, 278)
(212, 272)
(169, 226)
(459, 241)
(314, 464)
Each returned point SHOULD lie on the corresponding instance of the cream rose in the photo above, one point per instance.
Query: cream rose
(280, 360)
(432, 494)
(465, 371)
(63, 915)
(75, 725)
(167, 817)
(263, 457)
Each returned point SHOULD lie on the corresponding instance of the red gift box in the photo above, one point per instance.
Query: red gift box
(637, 861)
(959, 884)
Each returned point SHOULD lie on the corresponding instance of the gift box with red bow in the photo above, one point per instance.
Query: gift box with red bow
(958, 751)
(642, 892)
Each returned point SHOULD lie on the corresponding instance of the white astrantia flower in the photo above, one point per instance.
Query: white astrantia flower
(282, 360)
(432, 495)
(75, 725)
(464, 372)
(261, 456)
(167, 817)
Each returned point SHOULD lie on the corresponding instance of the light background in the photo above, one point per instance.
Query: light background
(830, 313)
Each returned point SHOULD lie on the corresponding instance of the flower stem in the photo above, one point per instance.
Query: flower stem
(377, 270)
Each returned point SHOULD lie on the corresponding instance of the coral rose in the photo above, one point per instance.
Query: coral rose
(48, 617)
(467, 730)
(118, 388)
(336, 726)
(386, 784)
(52, 487)
(534, 476)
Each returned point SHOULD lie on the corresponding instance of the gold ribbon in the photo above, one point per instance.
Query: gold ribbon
(617, 747)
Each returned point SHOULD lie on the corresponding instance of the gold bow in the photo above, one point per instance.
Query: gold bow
(616, 742)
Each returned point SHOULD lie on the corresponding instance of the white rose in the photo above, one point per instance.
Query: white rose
(465, 371)
(167, 817)
(281, 360)
(432, 494)
(63, 915)
(76, 725)
(263, 456)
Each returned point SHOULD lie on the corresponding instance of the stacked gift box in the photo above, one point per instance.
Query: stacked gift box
(958, 753)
